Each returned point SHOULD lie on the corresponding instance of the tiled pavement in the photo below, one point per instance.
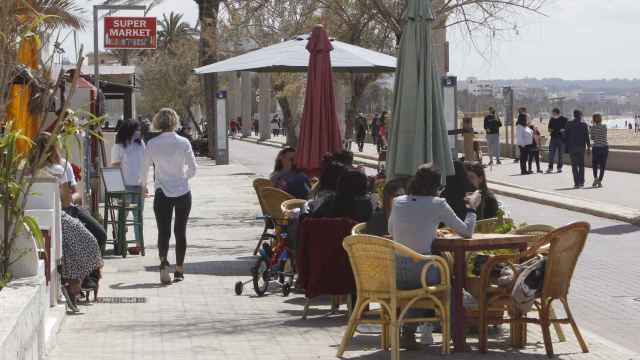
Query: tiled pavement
(202, 318)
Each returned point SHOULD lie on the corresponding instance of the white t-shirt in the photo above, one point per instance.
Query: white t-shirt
(63, 172)
(131, 159)
(414, 220)
(173, 161)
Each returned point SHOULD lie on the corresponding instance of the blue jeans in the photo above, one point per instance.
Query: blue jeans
(408, 278)
(556, 146)
(493, 141)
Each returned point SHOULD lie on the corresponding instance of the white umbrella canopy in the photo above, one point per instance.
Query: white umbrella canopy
(292, 56)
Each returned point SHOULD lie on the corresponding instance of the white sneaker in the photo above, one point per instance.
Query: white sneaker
(165, 276)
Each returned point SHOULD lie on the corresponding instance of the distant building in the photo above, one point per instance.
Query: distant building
(478, 87)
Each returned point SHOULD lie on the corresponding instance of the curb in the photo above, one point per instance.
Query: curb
(603, 210)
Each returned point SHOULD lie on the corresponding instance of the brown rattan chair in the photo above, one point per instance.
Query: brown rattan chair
(359, 229)
(565, 246)
(258, 185)
(373, 260)
(540, 231)
(272, 200)
(488, 226)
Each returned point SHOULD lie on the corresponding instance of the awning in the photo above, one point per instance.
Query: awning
(292, 56)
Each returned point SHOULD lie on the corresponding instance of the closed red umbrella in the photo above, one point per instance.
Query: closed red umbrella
(319, 130)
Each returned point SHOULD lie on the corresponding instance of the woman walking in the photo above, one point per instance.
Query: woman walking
(174, 164)
(534, 150)
(128, 154)
(600, 149)
(524, 138)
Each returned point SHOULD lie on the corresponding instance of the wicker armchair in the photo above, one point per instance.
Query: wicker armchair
(272, 199)
(373, 260)
(488, 226)
(258, 185)
(540, 231)
(565, 246)
(359, 229)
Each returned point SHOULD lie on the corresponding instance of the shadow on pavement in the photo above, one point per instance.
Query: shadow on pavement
(121, 286)
(239, 267)
(620, 229)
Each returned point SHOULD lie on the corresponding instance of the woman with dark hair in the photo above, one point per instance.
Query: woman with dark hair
(414, 221)
(457, 188)
(378, 224)
(382, 131)
(287, 177)
(524, 139)
(350, 201)
(327, 184)
(489, 205)
(128, 154)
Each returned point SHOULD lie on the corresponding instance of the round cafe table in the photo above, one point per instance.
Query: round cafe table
(459, 247)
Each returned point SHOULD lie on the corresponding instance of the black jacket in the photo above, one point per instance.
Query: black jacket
(577, 136)
(492, 124)
(555, 125)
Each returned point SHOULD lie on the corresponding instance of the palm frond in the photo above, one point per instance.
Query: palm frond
(54, 13)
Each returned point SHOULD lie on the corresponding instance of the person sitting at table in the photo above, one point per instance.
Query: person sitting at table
(287, 177)
(414, 220)
(327, 184)
(457, 188)
(350, 201)
(489, 206)
(378, 224)
(345, 157)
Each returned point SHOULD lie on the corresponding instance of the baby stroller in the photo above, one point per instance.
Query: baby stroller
(275, 263)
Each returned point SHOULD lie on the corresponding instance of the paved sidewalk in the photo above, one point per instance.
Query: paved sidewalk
(202, 318)
(617, 200)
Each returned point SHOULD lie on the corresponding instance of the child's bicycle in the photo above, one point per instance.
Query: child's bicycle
(274, 266)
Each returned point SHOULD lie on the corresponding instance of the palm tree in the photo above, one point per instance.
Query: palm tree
(172, 29)
(55, 13)
(208, 11)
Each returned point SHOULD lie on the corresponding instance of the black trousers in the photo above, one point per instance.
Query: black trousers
(524, 159)
(534, 154)
(94, 227)
(163, 208)
(599, 158)
(577, 166)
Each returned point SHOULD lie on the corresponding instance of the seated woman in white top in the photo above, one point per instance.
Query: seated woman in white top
(128, 154)
(413, 222)
(174, 164)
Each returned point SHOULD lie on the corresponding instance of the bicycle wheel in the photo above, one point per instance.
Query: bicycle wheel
(261, 277)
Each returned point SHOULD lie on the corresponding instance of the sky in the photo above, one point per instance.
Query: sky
(574, 40)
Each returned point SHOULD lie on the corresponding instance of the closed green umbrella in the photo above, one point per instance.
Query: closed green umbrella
(418, 132)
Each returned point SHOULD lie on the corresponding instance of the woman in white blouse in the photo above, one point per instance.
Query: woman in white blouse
(174, 164)
(128, 154)
(414, 221)
(524, 139)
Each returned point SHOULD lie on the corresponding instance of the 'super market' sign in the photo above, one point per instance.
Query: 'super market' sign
(130, 32)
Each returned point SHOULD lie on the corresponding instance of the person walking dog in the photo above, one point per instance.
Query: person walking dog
(174, 164)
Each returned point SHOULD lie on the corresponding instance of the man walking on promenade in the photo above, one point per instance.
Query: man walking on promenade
(492, 127)
(577, 138)
(557, 126)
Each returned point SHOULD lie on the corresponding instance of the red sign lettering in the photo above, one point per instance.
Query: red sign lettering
(130, 33)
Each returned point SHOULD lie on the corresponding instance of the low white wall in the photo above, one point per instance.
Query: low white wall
(24, 303)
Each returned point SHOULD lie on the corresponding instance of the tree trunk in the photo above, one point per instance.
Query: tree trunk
(287, 118)
(208, 18)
